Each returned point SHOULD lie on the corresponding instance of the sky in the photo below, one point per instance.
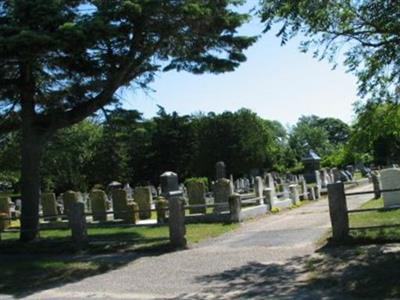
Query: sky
(277, 82)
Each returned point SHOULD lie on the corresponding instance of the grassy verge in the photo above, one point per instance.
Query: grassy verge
(110, 239)
(375, 218)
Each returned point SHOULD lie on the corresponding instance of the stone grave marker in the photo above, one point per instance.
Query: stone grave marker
(49, 206)
(222, 191)
(143, 198)
(196, 191)
(390, 179)
(98, 199)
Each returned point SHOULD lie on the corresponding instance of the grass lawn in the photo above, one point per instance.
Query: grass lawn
(51, 260)
(375, 218)
(109, 239)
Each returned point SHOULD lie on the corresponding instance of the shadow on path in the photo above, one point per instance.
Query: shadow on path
(48, 263)
(371, 272)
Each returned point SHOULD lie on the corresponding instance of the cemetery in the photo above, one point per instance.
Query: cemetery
(227, 201)
(190, 150)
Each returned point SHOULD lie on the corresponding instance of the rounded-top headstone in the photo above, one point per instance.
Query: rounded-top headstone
(169, 182)
(220, 169)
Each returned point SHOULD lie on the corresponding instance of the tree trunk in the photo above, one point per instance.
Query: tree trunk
(31, 150)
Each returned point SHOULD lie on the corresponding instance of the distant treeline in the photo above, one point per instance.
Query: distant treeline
(120, 145)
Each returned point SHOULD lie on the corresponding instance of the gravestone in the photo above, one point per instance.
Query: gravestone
(98, 202)
(49, 206)
(337, 176)
(246, 185)
(120, 204)
(232, 184)
(69, 198)
(128, 190)
(222, 191)
(286, 192)
(269, 180)
(169, 183)
(259, 188)
(196, 194)
(143, 197)
(311, 163)
(303, 188)
(324, 178)
(318, 178)
(220, 170)
(390, 179)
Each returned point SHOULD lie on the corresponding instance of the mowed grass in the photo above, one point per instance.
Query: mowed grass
(121, 238)
(375, 218)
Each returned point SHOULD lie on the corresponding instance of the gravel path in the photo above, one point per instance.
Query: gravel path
(257, 261)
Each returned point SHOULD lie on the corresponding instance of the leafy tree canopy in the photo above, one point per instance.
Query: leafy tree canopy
(62, 60)
(367, 31)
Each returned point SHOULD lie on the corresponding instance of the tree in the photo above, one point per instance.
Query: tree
(240, 139)
(337, 130)
(367, 30)
(62, 60)
(324, 135)
(112, 153)
(67, 157)
(172, 144)
(377, 132)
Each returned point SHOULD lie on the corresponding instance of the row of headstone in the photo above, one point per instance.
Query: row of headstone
(122, 205)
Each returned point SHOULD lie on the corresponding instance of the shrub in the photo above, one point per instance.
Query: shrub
(203, 180)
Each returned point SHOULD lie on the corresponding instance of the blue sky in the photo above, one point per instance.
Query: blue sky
(279, 83)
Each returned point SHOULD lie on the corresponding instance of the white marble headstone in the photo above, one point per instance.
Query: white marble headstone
(390, 179)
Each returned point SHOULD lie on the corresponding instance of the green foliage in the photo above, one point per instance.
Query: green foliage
(376, 133)
(323, 135)
(367, 30)
(62, 61)
(67, 156)
(202, 180)
(240, 139)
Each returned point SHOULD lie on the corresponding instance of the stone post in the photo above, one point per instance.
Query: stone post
(294, 194)
(338, 211)
(269, 197)
(177, 228)
(77, 223)
(259, 189)
(234, 208)
(376, 184)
